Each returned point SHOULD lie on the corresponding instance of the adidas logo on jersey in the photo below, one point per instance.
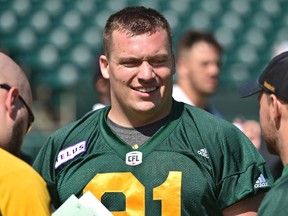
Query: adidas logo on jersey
(203, 152)
(261, 182)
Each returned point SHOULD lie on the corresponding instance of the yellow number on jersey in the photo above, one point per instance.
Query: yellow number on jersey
(169, 192)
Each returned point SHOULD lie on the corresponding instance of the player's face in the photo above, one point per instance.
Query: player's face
(266, 123)
(203, 66)
(140, 70)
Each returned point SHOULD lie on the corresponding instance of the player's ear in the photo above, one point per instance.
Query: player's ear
(104, 66)
(275, 107)
(182, 70)
(173, 62)
(11, 100)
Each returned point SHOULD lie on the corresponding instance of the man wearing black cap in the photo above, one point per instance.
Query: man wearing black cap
(272, 87)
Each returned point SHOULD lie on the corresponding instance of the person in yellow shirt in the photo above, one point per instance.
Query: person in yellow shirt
(23, 192)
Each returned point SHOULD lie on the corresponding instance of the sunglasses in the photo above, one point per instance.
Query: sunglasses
(31, 117)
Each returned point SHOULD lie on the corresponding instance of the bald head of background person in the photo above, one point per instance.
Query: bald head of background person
(15, 107)
(22, 190)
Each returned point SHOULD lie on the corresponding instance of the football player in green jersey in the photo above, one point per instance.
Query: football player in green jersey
(147, 154)
(273, 100)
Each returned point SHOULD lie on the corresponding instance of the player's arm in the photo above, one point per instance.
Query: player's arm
(248, 206)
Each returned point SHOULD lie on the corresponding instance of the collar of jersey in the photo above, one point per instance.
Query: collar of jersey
(123, 148)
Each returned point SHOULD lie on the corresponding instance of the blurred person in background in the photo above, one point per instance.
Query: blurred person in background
(22, 190)
(273, 113)
(279, 47)
(101, 85)
(197, 69)
(251, 128)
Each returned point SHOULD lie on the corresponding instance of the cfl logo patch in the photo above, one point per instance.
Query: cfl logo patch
(134, 158)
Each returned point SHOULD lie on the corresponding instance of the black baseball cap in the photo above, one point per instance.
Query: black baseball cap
(273, 79)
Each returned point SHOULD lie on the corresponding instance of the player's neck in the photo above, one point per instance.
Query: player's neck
(135, 118)
(196, 99)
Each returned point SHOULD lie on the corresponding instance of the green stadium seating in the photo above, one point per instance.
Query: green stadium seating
(56, 40)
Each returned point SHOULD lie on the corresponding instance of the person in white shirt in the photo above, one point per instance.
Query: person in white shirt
(198, 69)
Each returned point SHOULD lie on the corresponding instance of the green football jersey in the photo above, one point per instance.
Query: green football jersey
(276, 200)
(196, 164)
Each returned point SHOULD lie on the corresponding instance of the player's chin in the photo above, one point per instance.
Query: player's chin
(211, 89)
(146, 106)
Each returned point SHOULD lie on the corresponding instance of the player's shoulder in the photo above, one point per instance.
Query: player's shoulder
(75, 136)
(204, 119)
(275, 201)
(17, 169)
(85, 124)
(210, 129)
(281, 185)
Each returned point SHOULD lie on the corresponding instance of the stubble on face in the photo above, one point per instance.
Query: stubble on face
(15, 143)
(267, 125)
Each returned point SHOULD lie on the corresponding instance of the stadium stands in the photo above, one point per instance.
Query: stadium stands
(56, 40)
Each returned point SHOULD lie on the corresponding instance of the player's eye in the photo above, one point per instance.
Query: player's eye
(131, 63)
(158, 62)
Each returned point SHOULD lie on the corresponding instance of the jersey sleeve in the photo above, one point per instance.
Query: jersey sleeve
(235, 166)
(240, 170)
(44, 165)
(47, 162)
